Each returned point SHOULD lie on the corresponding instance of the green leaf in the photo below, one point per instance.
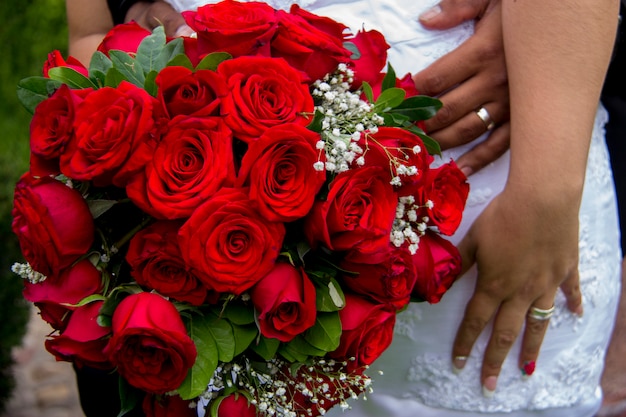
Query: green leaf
(367, 90)
(396, 119)
(98, 67)
(388, 119)
(432, 146)
(299, 349)
(71, 77)
(180, 61)
(390, 98)
(330, 297)
(87, 300)
(316, 123)
(390, 78)
(265, 347)
(211, 61)
(33, 90)
(130, 68)
(238, 313)
(244, 336)
(150, 83)
(130, 397)
(113, 78)
(326, 333)
(150, 49)
(174, 48)
(222, 333)
(209, 325)
(303, 248)
(351, 46)
(418, 108)
(99, 207)
(202, 371)
(117, 295)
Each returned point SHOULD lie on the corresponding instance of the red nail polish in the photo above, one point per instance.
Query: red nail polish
(528, 368)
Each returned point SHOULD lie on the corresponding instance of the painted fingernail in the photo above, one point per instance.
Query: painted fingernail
(489, 386)
(430, 13)
(467, 171)
(528, 368)
(579, 311)
(458, 363)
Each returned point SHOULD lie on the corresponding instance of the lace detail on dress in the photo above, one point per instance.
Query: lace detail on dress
(407, 322)
(567, 384)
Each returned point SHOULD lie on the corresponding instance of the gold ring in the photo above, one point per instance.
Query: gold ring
(541, 314)
(484, 115)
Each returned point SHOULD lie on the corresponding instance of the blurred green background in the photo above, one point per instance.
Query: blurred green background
(29, 29)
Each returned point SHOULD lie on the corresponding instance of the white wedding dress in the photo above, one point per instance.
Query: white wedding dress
(418, 380)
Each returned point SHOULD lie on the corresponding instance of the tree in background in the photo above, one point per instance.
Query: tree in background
(29, 29)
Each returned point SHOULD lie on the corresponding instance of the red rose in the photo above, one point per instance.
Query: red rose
(51, 128)
(167, 406)
(55, 59)
(123, 37)
(185, 92)
(235, 405)
(279, 170)
(111, 126)
(391, 145)
(367, 330)
(264, 92)
(310, 43)
(447, 189)
(233, 27)
(389, 281)
(192, 161)
(372, 59)
(52, 222)
(285, 302)
(191, 50)
(438, 263)
(228, 243)
(155, 261)
(56, 296)
(150, 346)
(357, 213)
(83, 340)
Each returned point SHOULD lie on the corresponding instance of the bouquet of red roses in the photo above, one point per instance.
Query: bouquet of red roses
(232, 220)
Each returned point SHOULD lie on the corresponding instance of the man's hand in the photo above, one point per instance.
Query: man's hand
(152, 14)
(480, 82)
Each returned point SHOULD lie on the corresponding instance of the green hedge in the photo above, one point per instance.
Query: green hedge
(29, 29)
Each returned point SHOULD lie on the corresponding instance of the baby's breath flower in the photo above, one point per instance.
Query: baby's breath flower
(28, 273)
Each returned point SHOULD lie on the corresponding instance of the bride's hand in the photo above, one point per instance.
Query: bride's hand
(525, 247)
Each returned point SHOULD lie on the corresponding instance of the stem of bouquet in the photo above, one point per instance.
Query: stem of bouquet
(124, 239)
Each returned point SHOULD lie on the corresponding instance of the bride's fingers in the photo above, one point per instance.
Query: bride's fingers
(507, 325)
(450, 13)
(478, 312)
(537, 321)
(573, 296)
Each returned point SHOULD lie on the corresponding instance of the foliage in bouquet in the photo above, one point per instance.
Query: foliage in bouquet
(235, 219)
